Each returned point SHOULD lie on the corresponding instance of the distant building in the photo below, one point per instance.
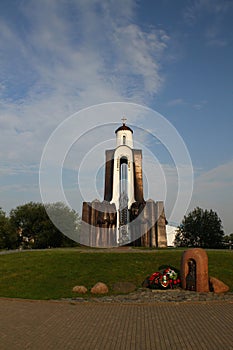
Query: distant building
(171, 234)
(124, 217)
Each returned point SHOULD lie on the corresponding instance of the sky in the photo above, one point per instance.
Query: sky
(58, 58)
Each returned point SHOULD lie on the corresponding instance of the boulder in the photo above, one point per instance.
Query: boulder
(99, 288)
(124, 287)
(218, 286)
(79, 289)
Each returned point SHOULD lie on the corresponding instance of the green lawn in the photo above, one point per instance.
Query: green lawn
(51, 274)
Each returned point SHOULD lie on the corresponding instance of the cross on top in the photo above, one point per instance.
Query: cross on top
(123, 120)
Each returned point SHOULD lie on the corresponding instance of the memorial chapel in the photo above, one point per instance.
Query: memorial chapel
(124, 217)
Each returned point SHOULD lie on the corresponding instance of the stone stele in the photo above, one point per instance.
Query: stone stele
(200, 259)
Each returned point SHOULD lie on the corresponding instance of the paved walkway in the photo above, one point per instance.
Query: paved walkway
(99, 326)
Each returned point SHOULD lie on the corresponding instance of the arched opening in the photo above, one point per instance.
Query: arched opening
(124, 175)
(123, 191)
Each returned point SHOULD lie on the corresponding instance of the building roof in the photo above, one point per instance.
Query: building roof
(124, 127)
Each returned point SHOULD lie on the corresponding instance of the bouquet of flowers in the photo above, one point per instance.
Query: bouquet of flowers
(166, 278)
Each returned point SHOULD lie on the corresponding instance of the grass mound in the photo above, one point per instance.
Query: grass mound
(52, 274)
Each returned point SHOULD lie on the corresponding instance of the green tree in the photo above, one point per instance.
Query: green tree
(66, 221)
(36, 228)
(200, 228)
(8, 236)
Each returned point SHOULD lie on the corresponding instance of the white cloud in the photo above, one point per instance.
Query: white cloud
(177, 102)
(198, 106)
(181, 102)
(66, 56)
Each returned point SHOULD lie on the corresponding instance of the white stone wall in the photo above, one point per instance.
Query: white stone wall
(128, 138)
(123, 151)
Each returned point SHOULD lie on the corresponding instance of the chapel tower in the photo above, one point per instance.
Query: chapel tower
(124, 217)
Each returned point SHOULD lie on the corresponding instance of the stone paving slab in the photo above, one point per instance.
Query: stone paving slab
(65, 325)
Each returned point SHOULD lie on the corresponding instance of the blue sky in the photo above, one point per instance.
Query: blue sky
(58, 57)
